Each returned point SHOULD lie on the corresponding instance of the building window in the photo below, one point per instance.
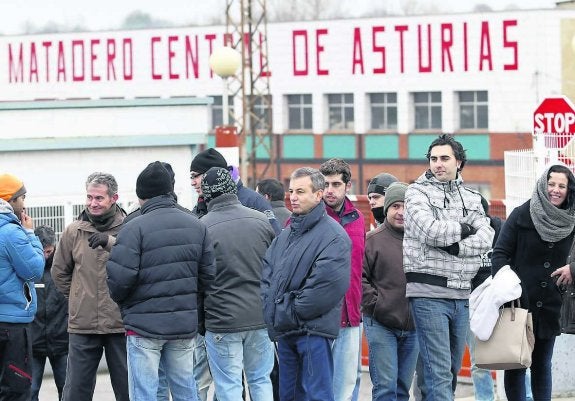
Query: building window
(217, 110)
(299, 112)
(427, 107)
(340, 110)
(262, 112)
(473, 110)
(383, 107)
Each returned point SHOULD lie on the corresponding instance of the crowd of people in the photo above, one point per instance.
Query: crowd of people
(252, 298)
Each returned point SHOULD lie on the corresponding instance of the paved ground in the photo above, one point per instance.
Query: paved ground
(104, 390)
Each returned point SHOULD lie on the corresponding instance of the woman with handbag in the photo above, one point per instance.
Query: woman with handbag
(535, 241)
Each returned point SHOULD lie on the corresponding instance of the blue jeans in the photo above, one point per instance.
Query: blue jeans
(58, 364)
(202, 372)
(345, 349)
(231, 353)
(392, 359)
(541, 382)
(143, 362)
(306, 368)
(442, 326)
(482, 380)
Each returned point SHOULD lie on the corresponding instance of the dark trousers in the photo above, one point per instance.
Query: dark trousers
(58, 364)
(84, 354)
(306, 368)
(540, 374)
(15, 361)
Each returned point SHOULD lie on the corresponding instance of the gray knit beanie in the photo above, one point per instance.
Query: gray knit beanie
(395, 193)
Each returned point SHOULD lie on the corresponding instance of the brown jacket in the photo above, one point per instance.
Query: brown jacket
(79, 273)
(383, 279)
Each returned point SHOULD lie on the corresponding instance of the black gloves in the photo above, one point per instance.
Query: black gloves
(452, 249)
(467, 230)
(98, 239)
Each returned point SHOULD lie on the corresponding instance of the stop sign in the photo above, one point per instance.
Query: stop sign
(555, 118)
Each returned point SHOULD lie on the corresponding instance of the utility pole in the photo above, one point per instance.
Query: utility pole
(246, 31)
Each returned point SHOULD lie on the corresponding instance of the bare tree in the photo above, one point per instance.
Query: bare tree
(140, 20)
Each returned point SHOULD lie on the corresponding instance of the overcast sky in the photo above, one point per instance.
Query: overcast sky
(16, 15)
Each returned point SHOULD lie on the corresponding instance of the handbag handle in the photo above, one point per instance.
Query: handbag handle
(513, 308)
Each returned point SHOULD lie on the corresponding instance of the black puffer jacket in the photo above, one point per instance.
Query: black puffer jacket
(50, 325)
(306, 273)
(159, 269)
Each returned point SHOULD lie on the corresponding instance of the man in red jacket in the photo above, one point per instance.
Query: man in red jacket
(346, 347)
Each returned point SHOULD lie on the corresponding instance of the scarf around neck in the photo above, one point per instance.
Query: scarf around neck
(552, 223)
(103, 222)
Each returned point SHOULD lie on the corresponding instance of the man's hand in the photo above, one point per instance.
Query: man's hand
(98, 239)
(452, 249)
(467, 230)
(26, 221)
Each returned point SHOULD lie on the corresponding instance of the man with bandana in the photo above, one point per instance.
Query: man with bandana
(79, 272)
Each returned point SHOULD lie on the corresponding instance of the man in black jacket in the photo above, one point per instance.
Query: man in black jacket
(158, 272)
(50, 325)
(306, 273)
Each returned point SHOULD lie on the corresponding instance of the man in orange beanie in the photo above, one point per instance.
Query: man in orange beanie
(21, 261)
(13, 191)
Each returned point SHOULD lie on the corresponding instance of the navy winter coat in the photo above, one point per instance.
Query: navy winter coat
(306, 273)
(159, 269)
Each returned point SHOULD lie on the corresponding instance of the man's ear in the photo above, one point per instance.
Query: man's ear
(348, 187)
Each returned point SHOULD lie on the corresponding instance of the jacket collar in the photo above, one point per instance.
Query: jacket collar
(302, 223)
(223, 201)
(158, 202)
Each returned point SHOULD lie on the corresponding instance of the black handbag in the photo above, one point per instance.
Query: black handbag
(567, 319)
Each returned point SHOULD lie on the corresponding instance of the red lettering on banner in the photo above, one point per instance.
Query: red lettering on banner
(485, 52)
(171, 55)
(191, 57)
(110, 57)
(296, 70)
(401, 29)
(228, 39)
(61, 63)
(93, 58)
(46, 45)
(446, 45)
(357, 51)
(155, 75)
(378, 49)
(80, 76)
(16, 73)
(33, 63)
(210, 38)
(423, 68)
(128, 63)
(510, 44)
(320, 49)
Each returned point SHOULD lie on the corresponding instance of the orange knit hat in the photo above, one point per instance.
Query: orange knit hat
(11, 187)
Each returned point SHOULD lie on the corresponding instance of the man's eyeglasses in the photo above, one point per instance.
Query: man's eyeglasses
(193, 176)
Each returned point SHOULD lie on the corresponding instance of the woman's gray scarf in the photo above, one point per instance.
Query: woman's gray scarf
(552, 223)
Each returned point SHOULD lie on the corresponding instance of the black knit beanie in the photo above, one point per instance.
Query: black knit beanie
(207, 159)
(154, 180)
(217, 181)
